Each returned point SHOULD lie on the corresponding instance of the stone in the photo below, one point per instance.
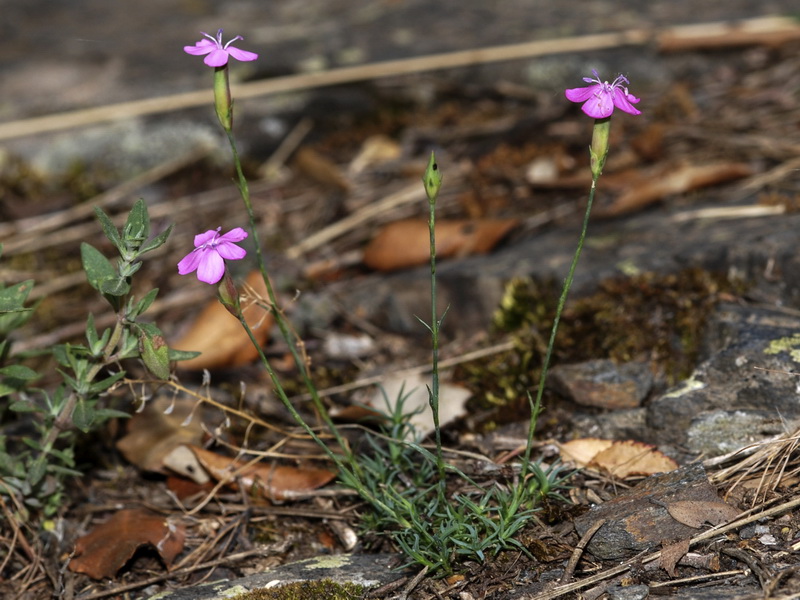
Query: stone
(603, 383)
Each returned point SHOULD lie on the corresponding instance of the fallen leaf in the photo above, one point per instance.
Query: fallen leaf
(153, 434)
(320, 168)
(218, 335)
(185, 488)
(583, 450)
(621, 459)
(274, 482)
(405, 244)
(695, 513)
(645, 188)
(183, 461)
(671, 554)
(414, 391)
(105, 550)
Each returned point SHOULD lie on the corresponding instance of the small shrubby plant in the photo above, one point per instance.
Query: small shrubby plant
(33, 465)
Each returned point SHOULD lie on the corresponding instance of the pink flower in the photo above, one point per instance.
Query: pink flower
(217, 53)
(600, 99)
(210, 248)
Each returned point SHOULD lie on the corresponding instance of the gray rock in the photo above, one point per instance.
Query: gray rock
(744, 392)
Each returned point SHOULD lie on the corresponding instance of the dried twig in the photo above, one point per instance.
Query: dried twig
(769, 28)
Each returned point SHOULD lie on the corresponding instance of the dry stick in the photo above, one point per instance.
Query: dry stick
(294, 83)
(444, 364)
(29, 231)
(750, 185)
(272, 166)
(449, 60)
(696, 578)
(231, 558)
(578, 552)
(408, 195)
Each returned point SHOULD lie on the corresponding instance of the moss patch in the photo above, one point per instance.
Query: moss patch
(324, 589)
(645, 316)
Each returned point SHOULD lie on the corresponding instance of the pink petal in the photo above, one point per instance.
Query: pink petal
(600, 106)
(237, 234)
(204, 238)
(200, 48)
(242, 55)
(190, 262)
(217, 58)
(581, 94)
(211, 268)
(623, 102)
(231, 251)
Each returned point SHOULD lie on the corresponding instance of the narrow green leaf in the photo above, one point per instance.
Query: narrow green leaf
(118, 286)
(83, 416)
(137, 227)
(19, 372)
(99, 271)
(155, 353)
(182, 354)
(109, 228)
(101, 386)
(91, 334)
(13, 297)
(143, 304)
(157, 241)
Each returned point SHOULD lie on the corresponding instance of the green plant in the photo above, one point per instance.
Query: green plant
(34, 464)
(440, 523)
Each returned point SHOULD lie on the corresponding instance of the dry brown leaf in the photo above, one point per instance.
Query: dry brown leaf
(620, 459)
(583, 450)
(646, 188)
(274, 482)
(219, 335)
(185, 488)
(153, 434)
(320, 169)
(105, 550)
(695, 513)
(623, 459)
(671, 554)
(405, 244)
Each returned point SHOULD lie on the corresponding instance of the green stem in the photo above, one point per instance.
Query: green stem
(433, 393)
(561, 302)
(347, 466)
(286, 331)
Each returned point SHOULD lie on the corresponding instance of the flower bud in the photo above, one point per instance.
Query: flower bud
(432, 179)
(599, 148)
(222, 98)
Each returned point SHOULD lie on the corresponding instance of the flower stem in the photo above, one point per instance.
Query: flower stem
(560, 308)
(432, 180)
(286, 332)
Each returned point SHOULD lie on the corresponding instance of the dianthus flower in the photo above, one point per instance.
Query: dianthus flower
(210, 250)
(217, 52)
(600, 99)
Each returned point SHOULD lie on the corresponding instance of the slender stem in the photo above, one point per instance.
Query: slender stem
(346, 465)
(433, 393)
(561, 302)
(286, 332)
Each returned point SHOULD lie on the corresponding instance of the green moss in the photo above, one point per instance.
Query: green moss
(324, 589)
(642, 316)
